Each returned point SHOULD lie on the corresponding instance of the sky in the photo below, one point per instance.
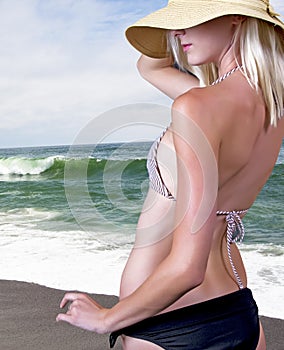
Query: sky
(64, 63)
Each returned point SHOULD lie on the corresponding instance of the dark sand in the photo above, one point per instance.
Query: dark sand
(27, 322)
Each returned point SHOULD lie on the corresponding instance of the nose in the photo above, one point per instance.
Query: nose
(178, 32)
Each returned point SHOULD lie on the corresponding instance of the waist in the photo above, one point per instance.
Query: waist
(232, 302)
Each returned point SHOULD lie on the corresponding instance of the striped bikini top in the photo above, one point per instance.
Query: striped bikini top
(235, 227)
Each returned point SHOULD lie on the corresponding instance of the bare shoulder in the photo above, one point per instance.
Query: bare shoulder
(201, 106)
(194, 101)
(223, 109)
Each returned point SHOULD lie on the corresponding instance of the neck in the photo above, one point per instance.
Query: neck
(226, 75)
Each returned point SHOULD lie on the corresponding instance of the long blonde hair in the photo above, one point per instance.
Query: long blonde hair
(262, 59)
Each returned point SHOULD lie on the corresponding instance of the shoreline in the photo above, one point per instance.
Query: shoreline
(27, 321)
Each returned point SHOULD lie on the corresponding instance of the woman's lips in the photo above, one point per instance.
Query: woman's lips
(186, 47)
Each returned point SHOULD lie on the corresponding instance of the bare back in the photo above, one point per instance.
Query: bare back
(249, 149)
(247, 155)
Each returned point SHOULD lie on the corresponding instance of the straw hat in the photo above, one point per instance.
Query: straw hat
(148, 35)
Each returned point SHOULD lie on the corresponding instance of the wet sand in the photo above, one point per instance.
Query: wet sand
(27, 322)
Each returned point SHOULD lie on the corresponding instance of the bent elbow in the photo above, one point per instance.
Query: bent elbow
(141, 67)
(139, 64)
(192, 277)
(197, 278)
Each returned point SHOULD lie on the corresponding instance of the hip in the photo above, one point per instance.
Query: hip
(227, 322)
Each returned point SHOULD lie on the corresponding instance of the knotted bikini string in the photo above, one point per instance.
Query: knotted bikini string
(235, 234)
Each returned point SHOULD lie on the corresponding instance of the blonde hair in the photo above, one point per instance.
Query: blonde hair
(262, 59)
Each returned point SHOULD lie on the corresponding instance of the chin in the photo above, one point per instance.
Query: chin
(196, 62)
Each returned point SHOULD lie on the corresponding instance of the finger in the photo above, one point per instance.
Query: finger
(64, 317)
(69, 297)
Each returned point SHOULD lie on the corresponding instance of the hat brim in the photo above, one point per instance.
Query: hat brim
(148, 35)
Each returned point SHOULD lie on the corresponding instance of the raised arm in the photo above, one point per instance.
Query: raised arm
(166, 78)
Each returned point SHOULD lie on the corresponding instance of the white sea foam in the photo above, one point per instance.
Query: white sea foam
(66, 262)
(70, 260)
(25, 166)
(264, 264)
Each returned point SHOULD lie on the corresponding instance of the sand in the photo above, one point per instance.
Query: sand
(27, 322)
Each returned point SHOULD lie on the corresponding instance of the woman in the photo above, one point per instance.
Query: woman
(184, 285)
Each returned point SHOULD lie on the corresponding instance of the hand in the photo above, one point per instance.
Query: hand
(83, 312)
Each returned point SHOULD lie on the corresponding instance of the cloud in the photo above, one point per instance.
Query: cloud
(63, 62)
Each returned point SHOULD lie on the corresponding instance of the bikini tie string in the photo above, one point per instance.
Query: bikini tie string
(236, 230)
(235, 233)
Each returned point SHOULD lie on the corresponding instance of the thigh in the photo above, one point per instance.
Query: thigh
(262, 342)
(129, 343)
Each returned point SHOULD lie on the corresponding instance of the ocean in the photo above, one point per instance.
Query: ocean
(68, 216)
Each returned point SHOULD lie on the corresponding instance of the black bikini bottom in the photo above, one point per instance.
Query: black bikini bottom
(227, 322)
